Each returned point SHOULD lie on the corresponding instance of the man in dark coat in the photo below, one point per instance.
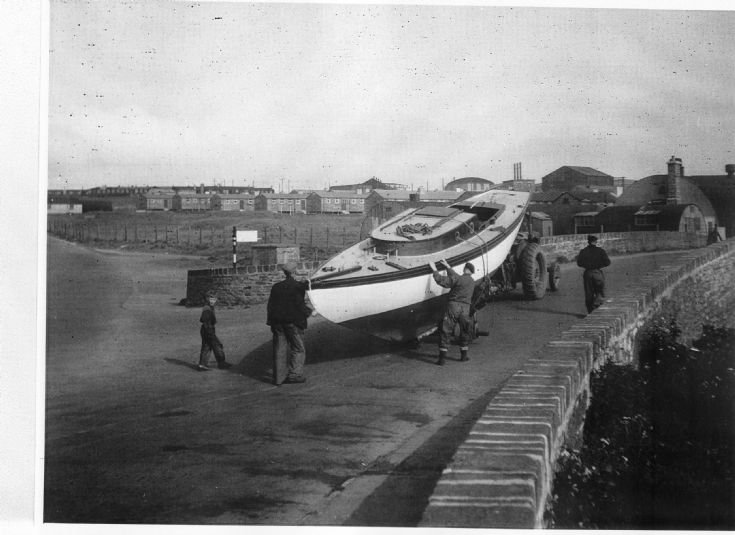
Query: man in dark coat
(287, 314)
(210, 342)
(593, 258)
(461, 288)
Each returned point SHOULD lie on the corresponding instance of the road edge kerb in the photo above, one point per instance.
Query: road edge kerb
(500, 476)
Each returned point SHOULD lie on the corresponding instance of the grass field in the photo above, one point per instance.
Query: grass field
(208, 234)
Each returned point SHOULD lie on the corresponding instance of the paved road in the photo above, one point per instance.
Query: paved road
(135, 435)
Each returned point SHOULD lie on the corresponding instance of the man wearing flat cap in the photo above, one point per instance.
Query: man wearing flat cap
(210, 342)
(593, 258)
(461, 288)
(287, 314)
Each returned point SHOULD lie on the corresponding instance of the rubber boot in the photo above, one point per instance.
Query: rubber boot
(442, 356)
(463, 355)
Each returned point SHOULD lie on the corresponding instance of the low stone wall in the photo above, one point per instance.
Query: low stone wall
(566, 247)
(500, 477)
(248, 286)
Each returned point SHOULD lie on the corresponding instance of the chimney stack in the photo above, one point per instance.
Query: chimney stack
(730, 170)
(673, 195)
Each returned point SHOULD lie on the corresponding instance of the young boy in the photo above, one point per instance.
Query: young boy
(210, 342)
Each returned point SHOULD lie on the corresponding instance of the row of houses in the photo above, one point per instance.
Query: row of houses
(314, 202)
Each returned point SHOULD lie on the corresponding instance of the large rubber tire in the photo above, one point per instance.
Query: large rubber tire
(554, 276)
(532, 267)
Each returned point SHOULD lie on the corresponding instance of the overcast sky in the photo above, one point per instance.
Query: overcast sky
(162, 93)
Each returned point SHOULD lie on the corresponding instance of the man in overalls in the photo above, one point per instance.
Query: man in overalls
(593, 258)
(461, 288)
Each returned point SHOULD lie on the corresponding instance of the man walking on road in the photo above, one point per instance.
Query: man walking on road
(461, 288)
(210, 342)
(287, 314)
(593, 259)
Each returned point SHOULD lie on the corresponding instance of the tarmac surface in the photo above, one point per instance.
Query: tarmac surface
(134, 434)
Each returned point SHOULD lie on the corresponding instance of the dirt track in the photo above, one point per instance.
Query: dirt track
(135, 435)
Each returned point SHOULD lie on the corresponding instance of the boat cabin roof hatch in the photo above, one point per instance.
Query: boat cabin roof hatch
(484, 210)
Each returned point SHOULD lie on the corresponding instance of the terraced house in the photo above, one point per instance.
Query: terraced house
(335, 202)
(190, 200)
(288, 203)
(233, 202)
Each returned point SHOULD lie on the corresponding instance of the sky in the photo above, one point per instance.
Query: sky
(311, 95)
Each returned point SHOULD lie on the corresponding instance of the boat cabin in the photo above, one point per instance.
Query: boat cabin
(431, 228)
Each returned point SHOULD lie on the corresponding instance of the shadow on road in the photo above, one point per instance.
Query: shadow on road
(179, 362)
(404, 495)
(324, 342)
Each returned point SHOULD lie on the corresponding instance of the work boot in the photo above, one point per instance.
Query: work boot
(442, 355)
(463, 355)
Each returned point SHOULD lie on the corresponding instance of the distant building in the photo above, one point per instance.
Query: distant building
(469, 183)
(192, 201)
(233, 202)
(657, 217)
(363, 187)
(335, 202)
(541, 224)
(114, 191)
(570, 177)
(281, 202)
(519, 184)
(713, 194)
(563, 206)
(65, 192)
(418, 197)
(159, 199)
(57, 207)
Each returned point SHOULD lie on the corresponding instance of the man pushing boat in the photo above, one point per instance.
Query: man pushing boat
(461, 288)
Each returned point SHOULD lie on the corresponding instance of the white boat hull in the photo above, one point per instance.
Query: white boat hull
(404, 308)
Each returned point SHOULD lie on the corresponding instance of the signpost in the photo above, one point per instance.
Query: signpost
(241, 236)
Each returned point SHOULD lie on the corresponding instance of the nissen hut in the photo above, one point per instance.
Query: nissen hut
(660, 217)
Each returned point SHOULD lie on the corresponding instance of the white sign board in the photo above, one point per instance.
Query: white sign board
(247, 235)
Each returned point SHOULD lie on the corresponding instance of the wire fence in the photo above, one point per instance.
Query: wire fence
(203, 236)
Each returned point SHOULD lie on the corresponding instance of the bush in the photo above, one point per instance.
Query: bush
(658, 440)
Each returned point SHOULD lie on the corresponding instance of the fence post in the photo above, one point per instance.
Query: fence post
(155, 233)
(98, 231)
(311, 237)
(126, 232)
(296, 235)
(265, 234)
(177, 234)
(327, 237)
(280, 234)
(344, 236)
(200, 235)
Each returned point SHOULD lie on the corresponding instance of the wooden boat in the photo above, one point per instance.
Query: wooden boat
(383, 285)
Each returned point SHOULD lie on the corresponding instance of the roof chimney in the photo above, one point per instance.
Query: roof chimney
(730, 170)
(673, 195)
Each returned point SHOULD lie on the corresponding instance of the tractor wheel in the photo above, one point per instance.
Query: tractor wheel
(554, 276)
(532, 267)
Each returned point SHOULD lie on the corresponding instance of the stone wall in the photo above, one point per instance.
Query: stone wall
(566, 247)
(500, 477)
(250, 285)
